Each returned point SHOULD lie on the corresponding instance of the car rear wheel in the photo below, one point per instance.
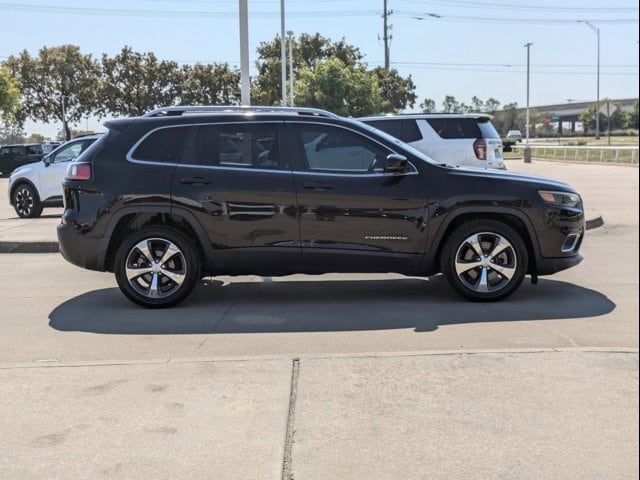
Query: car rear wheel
(157, 267)
(485, 260)
(26, 201)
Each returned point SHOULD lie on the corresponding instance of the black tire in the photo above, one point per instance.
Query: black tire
(26, 201)
(513, 261)
(186, 263)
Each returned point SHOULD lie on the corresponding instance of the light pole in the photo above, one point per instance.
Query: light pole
(291, 76)
(597, 32)
(283, 57)
(527, 148)
(245, 82)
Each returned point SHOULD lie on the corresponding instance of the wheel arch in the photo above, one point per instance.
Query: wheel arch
(127, 221)
(17, 183)
(512, 217)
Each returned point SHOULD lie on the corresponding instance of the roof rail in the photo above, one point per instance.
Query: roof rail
(186, 110)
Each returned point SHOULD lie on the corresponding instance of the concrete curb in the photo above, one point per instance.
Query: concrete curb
(52, 247)
(596, 222)
(28, 247)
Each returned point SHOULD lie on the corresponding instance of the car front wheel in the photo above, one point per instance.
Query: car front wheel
(157, 267)
(26, 201)
(485, 260)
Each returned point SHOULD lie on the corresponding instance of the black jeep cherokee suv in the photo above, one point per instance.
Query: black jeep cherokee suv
(188, 192)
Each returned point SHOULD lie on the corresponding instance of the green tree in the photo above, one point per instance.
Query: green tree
(216, 84)
(58, 84)
(477, 105)
(428, 106)
(11, 133)
(491, 105)
(397, 92)
(9, 95)
(134, 83)
(346, 90)
(35, 138)
(619, 119)
(451, 105)
(633, 117)
(74, 133)
(507, 119)
(308, 51)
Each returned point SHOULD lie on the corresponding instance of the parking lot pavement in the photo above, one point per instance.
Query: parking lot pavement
(37, 233)
(141, 421)
(529, 416)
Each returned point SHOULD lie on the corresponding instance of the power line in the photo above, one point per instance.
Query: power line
(512, 6)
(475, 19)
(36, 8)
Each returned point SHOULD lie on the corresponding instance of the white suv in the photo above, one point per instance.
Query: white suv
(37, 185)
(454, 139)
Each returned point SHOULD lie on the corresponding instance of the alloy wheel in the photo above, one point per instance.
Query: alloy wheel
(486, 262)
(155, 267)
(24, 201)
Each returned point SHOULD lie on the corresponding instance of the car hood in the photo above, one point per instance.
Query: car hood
(513, 177)
(23, 169)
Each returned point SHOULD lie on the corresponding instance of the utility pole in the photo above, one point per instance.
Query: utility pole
(291, 75)
(596, 30)
(386, 36)
(245, 82)
(527, 148)
(283, 57)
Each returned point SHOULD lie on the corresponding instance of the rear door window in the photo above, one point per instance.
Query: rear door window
(238, 146)
(163, 145)
(34, 149)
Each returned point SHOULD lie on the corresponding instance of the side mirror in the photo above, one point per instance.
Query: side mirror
(397, 164)
(47, 161)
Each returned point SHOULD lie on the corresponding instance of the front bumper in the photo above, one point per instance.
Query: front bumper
(549, 266)
(82, 250)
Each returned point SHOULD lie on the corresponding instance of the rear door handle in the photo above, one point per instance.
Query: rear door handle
(195, 180)
(317, 186)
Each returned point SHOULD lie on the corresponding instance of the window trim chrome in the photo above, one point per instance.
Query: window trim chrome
(289, 171)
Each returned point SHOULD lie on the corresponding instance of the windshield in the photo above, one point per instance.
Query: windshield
(407, 148)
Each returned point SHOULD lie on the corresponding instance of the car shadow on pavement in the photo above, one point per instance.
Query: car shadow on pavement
(322, 306)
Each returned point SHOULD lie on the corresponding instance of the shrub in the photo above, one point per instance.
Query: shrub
(507, 144)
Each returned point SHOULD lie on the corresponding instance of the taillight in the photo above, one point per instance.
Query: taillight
(480, 148)
(78, 171)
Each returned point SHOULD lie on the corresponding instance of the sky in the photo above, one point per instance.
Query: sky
(449, 47)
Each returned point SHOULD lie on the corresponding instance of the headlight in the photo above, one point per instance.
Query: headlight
(565, 199)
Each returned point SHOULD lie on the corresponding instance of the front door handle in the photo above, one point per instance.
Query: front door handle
(195, 180)
(317, 186)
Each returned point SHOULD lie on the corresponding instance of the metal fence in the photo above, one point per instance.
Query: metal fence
(621, 155)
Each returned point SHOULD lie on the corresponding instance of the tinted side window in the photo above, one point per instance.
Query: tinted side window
(336, 150)
(164, 145)
(34, 149)
(455, 128)
(410, 131)
(238, 145)
(392, 127)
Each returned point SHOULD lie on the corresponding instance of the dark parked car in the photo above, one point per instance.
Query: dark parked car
(14, 156)
(184, 193)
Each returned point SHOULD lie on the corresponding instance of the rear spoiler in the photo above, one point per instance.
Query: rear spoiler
(119, 124)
